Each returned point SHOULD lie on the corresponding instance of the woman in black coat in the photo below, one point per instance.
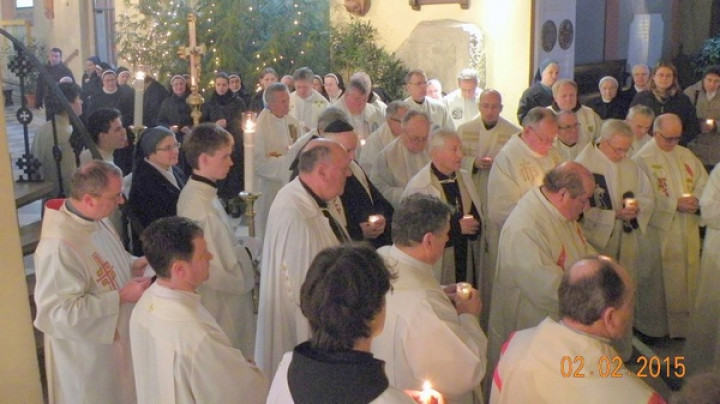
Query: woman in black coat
(665, 96)
(156, 181)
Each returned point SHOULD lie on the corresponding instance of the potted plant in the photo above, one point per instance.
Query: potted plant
(37, 48)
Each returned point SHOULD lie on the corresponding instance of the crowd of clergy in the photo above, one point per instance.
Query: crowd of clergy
(421, 250)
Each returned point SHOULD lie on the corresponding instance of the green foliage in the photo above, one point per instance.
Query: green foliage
(239, 35)
(353, 47)
(710, 54)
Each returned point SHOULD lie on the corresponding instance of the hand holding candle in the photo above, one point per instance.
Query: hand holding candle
(687, 203)
(374, 227)
(463, 290)
(427, 395)
(468, 225)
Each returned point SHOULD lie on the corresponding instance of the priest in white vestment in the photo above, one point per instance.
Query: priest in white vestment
(180, 353)
(306, 104)
(702, 347)
(540, 240)
(640, 118)
(482, 139)
(372, 98)
(416, 86)
(385, 134)
(430, 334)
(520, 165)
(444, 179)
(300, 226)
(277, 130)
(671, 250)
(572, 361)
(364, 117)
(86, 287)
(403, 157)
(565, 98)
(463, 102)
(568, 141)
(227, 295)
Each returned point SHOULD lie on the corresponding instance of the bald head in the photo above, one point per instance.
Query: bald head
(667, 131)
(590, 288)
(569, 187)
(324, 166)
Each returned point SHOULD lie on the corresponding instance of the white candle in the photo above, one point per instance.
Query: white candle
(630, 202)
(687, 195)
(462, 290)
(249, 124)
(710, 122)
(374, 219)
(139, 85)
(428, 395)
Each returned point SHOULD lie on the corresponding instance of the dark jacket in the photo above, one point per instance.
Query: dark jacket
(535, 96)
(679, 104)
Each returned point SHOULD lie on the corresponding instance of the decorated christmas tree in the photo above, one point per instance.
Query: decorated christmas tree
(242, 36)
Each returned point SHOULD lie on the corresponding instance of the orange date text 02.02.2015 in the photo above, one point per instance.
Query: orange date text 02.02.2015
(654, 366)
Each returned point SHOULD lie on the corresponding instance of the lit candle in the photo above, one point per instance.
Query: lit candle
(468, 216)
(462, 290)
(374, 219)
(249, 124)
(710, 122)
(630, 202)
(139, 86)
(174, 128)
(362, 142)
(687, 195)
(428, 395)
(486, 160)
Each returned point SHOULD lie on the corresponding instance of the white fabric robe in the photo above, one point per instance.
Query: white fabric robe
(702, 347)
(181, 355)
(42, 148)
(374, 144)
(437, 111)
(516, 170)
(297, 231)
(425, 183)
(364, 124)
(424, 338)
(671, 251)
(394, 168)
(227, 294)
(80, 265)
(605, 232)
(638, 144)
(307, 110)
(537, 245)
(530, 370)
(274, 135)
(590, 123)
(480, 142)
(280, 391)
(461, 109)
(569, 153)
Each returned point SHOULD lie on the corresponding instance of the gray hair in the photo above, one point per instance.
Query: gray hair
(312, 156)
(564, 175)
(358, 85)
(537, 115)
(271, 92)
(418, 215)
(641, 110)
(393, 108)
(92, 178)
(412, 73)
(642, 66)
(330, 115)
(439, 137)
(563, 82)
(612, 127)
(364, 77)
(584, 298)
(468, 74)
(608, 78)
(412, 113)
(303, 74)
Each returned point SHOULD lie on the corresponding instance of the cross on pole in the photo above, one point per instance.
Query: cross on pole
(194, 53)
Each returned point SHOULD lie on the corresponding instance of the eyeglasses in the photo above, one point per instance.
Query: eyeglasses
(545, 140)
(418, 139)
(568, 127)
(170, 148)
(669, 139)
(621, 152)
(419, 83)
(113, 198)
